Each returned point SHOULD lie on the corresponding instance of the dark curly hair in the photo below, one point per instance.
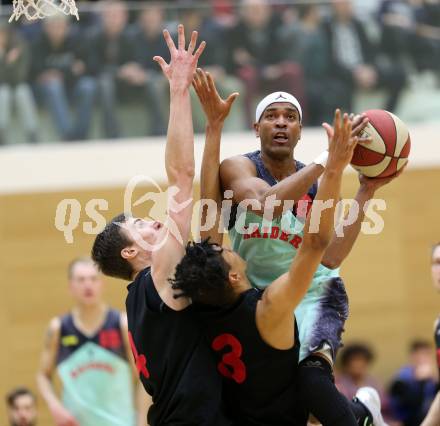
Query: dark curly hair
(202, 275)
(106, 251)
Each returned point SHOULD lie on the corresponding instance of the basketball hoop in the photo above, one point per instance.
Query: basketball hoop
(39, 9)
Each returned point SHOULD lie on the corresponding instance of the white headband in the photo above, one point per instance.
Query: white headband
(274, 98)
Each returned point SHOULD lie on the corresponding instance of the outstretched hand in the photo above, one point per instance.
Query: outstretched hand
(183, 62)
(216, 109)
(341, 141)
(374, 183)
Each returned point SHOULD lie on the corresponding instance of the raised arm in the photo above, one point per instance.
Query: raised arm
(285, 293)
(179, 163)
(216, 110)
(341, 246)
(239, 175)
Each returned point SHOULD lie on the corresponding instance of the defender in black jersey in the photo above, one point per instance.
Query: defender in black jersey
(433, 416)
(252, 332)
(173, 361)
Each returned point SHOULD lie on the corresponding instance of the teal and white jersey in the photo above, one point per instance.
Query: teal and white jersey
(269, 248)
(96, 377)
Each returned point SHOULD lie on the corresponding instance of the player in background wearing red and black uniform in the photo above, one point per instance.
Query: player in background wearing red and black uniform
(175, 365)
(253, 332)
(433, 417)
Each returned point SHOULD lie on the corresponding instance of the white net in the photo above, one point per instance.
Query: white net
(39, 9)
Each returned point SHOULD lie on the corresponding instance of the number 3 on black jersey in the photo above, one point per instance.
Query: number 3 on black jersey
(231, 366)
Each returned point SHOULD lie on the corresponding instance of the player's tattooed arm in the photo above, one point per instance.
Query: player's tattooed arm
(216, 111)
(179, 164)
(44, 376)
(284, 294)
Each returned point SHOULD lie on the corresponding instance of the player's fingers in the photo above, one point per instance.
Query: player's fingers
(202, 78)
(364, 139)
(232, 97)
(400, 171)
(169, 41)
(359, 126)
(193, 42)
(195, 84)
(180, 37)
(161, 61)
(211, 83)
(196, 77)
(353, 142)
(337, 122)
(200, 50)
(346, 127)
(329, 130)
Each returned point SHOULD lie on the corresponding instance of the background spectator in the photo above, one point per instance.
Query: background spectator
(414, 387)
(111, 49)
(398, 20)
(22, 407)
(354, 61)
(355, 361)
(142, 75)
(14, 89)
(257, 55)
(306, 44)
(254, 47)
(58, 71)
(428, 36)
(212, 61)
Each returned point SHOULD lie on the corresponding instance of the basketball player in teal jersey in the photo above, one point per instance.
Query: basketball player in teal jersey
(246, 325)
(269, 245)
(433, 417)
(89, 350)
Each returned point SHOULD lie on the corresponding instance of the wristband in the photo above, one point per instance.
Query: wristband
(321, 159)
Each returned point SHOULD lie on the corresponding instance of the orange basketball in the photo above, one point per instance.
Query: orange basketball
(389, 150)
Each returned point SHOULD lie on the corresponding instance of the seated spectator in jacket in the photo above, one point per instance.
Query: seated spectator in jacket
(22, 407)
(428, 35)
(415, 385)
(306, 44)
(14, 89)
(212, 61)
(111, 48)
(398, 21)
(355, 63)
(142, 74)
(59, 72)
(257, 55)
(354, 371)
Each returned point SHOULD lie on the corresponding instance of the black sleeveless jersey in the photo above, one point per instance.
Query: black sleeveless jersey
(174, 362)
(259, 381)
(437, 341)
(109, 336)
(264, 174)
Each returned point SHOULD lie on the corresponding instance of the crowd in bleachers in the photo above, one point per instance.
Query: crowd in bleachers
(75, 71)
